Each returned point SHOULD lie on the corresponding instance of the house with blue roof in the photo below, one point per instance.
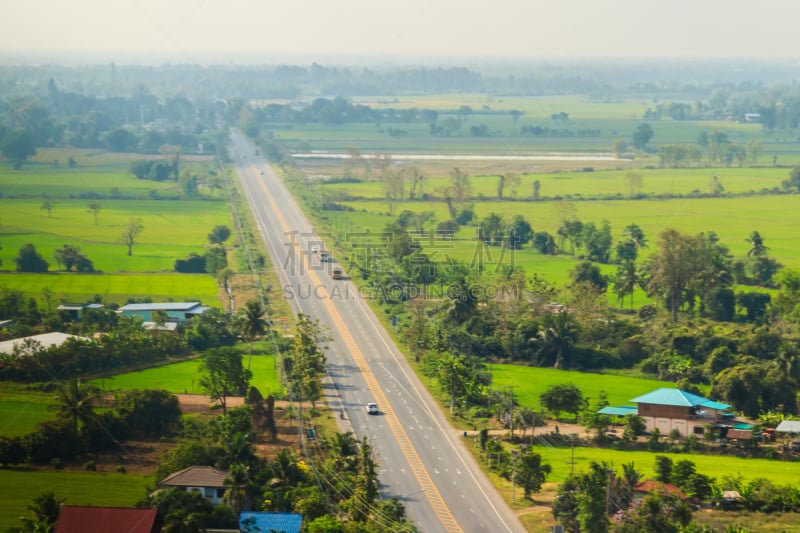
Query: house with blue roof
(668, 409)
(261, 522)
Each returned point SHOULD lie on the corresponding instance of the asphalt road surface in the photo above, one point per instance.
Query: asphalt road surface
(422, 460)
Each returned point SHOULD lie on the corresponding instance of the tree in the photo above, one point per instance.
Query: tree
(757, 247)
(219, 234)
(492, 229)
(222, 375)
(73, 401)
(18, 146)
(642, 135)
(537, 189)
(506, 180)
(307, 361)
(45, 509)
(633, 181)
(29, 260)
(544, 243)
(564, 397)
(461, 377)
(565, 505)
(71, 258)
(154, 413)
(658, 511)
(253, 323)
(674, 267)
(530, 473)
(520, 233)
(130, 231)
(597, 242)
(663, 469)
(588, 272)
(121, 140)
(48, 205)
(557, 336)
(794, 179)
(460, 183)
(94, 209)
(216, 258)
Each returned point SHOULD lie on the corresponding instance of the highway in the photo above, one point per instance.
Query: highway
(422, 459)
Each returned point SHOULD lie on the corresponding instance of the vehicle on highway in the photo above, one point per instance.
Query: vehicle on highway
(337, 273)
(261, 172)
(315, 248)
(325, 257)
(372, 408)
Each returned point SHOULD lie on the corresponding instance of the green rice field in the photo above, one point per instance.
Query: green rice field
(530, 382)
(117, 288)
(716, 466)
(179, 378)
(19, 487)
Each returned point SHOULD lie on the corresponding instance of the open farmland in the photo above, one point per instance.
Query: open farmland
(690, 215)
(716, 466)
(183, 377)
(172, 228)
(530, 382)
(19, 487)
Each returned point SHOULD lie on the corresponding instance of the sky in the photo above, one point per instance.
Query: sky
(241, 31)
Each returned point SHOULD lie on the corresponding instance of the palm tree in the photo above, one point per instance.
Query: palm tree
(73, 401)
(625, 282)
(635, 234)
(45, 508)
(558, 334)
(253, 323)
(236, 495)
(343, 448)
(757, 247)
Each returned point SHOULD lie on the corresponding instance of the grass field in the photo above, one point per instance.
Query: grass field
(117, 288)
(22, 409)
(653, 216)
(588, 184)
(715, 466)
(183, 377)
(530, 382)
(19, 487)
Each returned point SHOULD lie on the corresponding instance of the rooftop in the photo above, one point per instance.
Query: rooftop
(788, 426)
(160, 306)
(677, 397)
(620, 410)
(46, 340)
(257, 521)
(196, 476)
(82, 519)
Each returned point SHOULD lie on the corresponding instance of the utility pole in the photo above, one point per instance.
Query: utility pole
(511, 409)
(572, 453)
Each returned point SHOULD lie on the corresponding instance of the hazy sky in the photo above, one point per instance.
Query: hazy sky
(201, 30)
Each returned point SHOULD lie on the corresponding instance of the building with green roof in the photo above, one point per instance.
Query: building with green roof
(670, 409)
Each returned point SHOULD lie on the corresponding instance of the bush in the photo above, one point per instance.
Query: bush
(154, 413)
(57, 463)
(122, 470)
(51, 440)
(91, 466)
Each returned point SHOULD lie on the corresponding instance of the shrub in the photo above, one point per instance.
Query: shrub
(90, 466)
(57, 463)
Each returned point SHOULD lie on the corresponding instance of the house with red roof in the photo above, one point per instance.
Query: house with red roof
(87, 519)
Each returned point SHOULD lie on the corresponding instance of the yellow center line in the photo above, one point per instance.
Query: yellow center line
(401, 437)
